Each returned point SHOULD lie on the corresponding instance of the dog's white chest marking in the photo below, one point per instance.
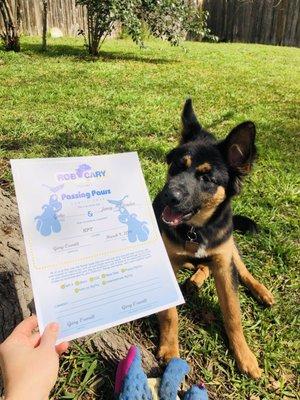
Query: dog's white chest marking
(201, 252)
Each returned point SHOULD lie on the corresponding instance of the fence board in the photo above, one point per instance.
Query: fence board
(255, 21)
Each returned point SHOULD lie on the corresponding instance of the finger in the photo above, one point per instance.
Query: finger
(35, 339)
(50, 334)
(62, 347)
(27, 326)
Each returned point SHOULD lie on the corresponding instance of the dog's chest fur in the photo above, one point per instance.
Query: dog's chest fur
(201, 252)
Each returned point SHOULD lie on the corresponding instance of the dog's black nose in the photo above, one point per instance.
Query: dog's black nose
(173, 197)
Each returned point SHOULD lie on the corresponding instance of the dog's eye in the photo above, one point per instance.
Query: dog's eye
(206, 178)
(179, 164)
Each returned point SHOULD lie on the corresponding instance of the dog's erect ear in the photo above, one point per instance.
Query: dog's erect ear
(190, 125)
(239, 147)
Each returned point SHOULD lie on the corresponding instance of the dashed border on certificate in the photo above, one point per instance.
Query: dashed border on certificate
(95, 255)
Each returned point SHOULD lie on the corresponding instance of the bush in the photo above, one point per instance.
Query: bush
(165, 19)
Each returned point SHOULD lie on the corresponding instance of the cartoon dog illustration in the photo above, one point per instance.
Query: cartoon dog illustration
(48, 221)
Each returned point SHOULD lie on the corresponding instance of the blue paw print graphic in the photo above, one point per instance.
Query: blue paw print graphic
(48, 222)
(137, 230)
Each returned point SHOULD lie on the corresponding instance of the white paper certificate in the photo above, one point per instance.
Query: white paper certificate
(94, 250)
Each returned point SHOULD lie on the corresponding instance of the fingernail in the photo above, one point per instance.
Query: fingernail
(54, 327)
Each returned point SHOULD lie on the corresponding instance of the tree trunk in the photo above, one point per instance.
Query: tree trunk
(16, 294)
(10, 36)
(45, 15)
(94, 33)
(18, 15)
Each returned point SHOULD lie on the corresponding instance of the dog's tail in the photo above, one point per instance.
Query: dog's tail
(244, 225)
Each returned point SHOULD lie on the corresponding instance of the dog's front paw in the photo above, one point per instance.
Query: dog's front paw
(248, 364)
(266, 296)
(262, 293)
(200, 276)
(167, 351)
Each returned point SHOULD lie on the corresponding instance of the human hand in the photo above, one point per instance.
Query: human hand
(30, 361)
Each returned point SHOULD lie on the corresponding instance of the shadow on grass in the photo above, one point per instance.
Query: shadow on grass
(105, 387)
(81, 54)
(199, 308)
(67, 142)
(202, 310)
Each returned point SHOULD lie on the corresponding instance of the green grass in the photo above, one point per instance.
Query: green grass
(62, 103)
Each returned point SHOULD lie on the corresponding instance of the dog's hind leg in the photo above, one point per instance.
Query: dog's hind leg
(257, 289)
(168, 325)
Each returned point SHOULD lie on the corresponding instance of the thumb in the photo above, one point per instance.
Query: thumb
(50, 334)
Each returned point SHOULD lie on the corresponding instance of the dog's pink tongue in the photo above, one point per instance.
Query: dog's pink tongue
(171, 217)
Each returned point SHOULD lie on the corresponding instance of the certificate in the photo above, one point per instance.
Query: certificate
(94, 250)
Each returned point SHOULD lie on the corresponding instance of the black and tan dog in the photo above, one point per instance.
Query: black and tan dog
(194, 214)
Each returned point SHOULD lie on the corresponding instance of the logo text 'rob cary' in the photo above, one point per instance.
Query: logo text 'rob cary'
(83, 171)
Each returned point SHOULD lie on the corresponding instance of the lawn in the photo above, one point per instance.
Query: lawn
(63, 103)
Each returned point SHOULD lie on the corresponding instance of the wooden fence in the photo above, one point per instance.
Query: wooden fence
(255, 21)
(62, 14)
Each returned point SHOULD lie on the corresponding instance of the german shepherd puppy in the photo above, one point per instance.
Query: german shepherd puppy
(194, 215)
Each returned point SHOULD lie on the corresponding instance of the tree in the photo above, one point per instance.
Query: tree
(165, 19)
(10, 35)
(45, 14)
